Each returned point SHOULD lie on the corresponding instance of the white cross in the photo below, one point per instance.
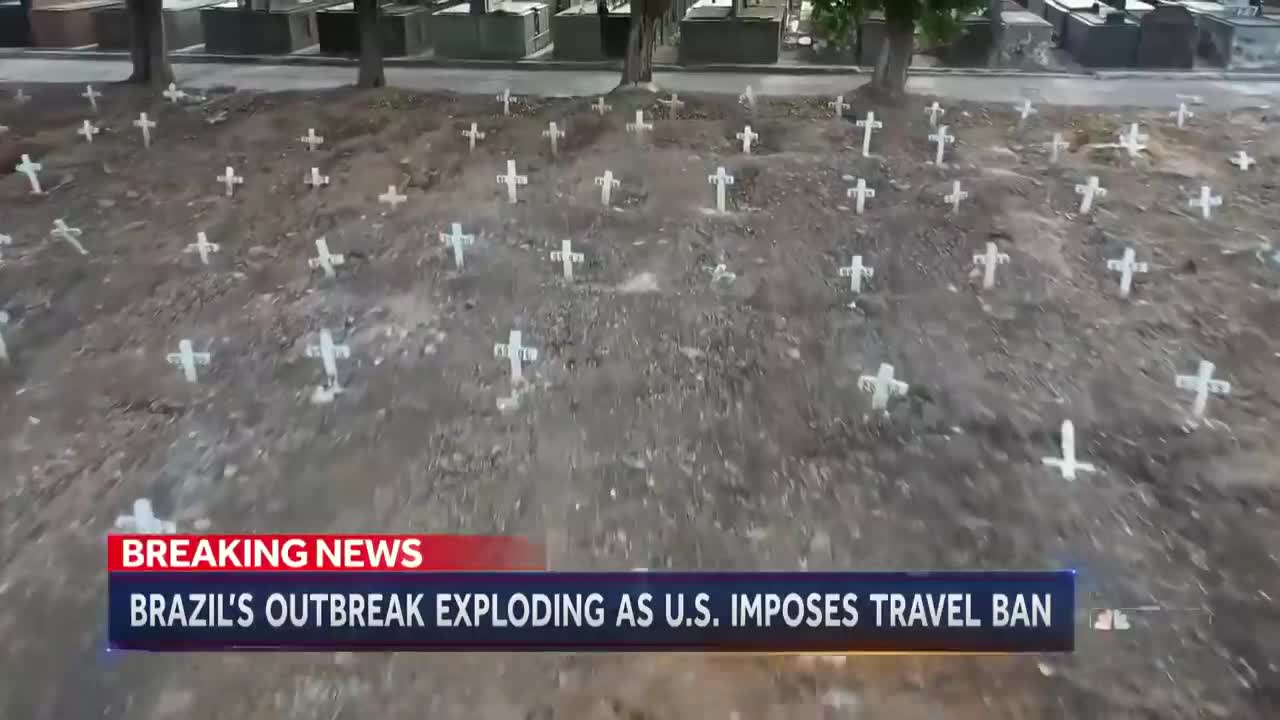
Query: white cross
(173, 93)
(862, 192)
(567, 257)
(506, 100)
(934, 112)
(989, 260)
(458, 241)
(203, 247)
(21, 97)
(868, 126)
(554, 134)
(1127, 266)
(1025, 111)
(28, 168)
(1133, 141)
(88, 130)
(1057, 145)
(517, 352)
(882, 386)
(839, 105)
(720, 180)
(1088, 192)
(329, 353)
(1206, 202)
(1182, 114)
(143, 520)
(942, 138)
(187, 359)
(600, 107)
(511, 180)
(748, 98)
(325, 259)
(855, 271)
(63, 231)
(1203, 384)
(145, 125)
(4, 349)
(1068, 463)
(747, 137)
(639, 126)
(311, 139)
(473, 135)
(392, 197)
(607, 183)
(956, 196)
(1242, 160)
(674, 104)
(315, 179)
(721, 272)
(92, 96)
(231, 180)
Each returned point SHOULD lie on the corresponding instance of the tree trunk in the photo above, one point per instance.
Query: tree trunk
(637, 66)
(995, 13)
(371, 75)
(889, 80)
(147, 49)
(139, 43)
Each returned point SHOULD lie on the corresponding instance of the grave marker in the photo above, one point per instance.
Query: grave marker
(512, 180)
(392, 197)
(956, 196)
(600, 107)
(315, 179)
(673, 105)
(329, 353)
(934, 112)
(1127, 266)
(1088, 192)
(721, 272)
(1133, 141)
(942, 138)
(145, 125)
(747, 137)
(868, 125)
(515, 350)
(173, 93)
(720, 180)
(203, 247)
(21, 97)
(92, 96)
(325, 259)
(311, 139)
(553, 133)
(4, 349)
(1057, 145)
(607, 183)
(472, 136)
(88, 130)
(989, 260)
(1242, 160)
(639, 126)
(1206, 202)
(862, 192)
(566, 256)
(1203, 384)
(1068, 463)
(30, 169)
(231, 180)
(506, 99)
(457, 240)
(62, 231)
(748, 98)
(1025, 111)
(1182, 114)
(856, 271)
(882, 386)
(187, 359)
(144, 521)
(839, 105)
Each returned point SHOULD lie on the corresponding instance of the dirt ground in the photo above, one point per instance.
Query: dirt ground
(669, 421)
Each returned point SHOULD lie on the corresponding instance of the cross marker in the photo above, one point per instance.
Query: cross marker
(203, 247)
(1203, 384)
(517, 352)
(941, 138)
(326, 260)
(639, 126)
(1182, 114)
(506, 100)
(144, 521)
(1126, 266)
(839, 105)
(882, 386)
(92, 96)
(231, 180)
(567, 257)
(720, 180)
(1025, 111)
(868, 125)
(1088, 192)
(315, 179)
(28, 168)
(673, 105)
(748, 98)
(173, 93)
(747, 137)
(554, 134)
(512, 180)
(311, 139)
(187, 359)
(956, 196)
(1133, 141)
(600, 107)
(862, 192)
(88, 130)
(71, 235)
(989, 260)
(473, 135)
(1206, 202)
(1242, 160)
(392, 197)
(145, 125)
(856, 271)
(1057, 145)
(457, 240)
(1068, 463)
(329, 353)
(607, 183)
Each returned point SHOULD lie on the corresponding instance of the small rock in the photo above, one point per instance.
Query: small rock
(132, 194)
(105, 203)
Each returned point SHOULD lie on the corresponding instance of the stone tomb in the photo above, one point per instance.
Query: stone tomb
(55, 23)
(1168, 38)
(1241, 42)
(576, 35)
(726, 31)
(1102, 41)
(260, 27)
(15, 31)
(112, 26)
(488, 30)
(405, 30)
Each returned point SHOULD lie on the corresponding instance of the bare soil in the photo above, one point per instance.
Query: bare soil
(669, 422)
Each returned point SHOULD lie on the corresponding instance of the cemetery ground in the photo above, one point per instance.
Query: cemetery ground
(669, 420)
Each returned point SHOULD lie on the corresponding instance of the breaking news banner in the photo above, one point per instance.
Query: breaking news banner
(461, 593)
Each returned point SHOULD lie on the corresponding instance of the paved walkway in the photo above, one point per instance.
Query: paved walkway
(1144, 92)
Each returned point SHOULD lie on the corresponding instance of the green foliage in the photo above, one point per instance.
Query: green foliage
(939, 20)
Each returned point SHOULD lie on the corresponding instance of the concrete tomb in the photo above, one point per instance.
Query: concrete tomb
(581, 33)
(492, 30)
(261, 27)
(182, 28)
(65, 23)
(1108, 40)
(729, 31)
(1168, 38)
(15, 28)
(405, 29)
(1241, 42)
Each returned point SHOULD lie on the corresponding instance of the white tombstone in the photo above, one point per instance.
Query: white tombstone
(31, 170)
(472, 136)
(173, 93)
(673, 105)
(230, 180)
(144, 521)
(839, 105)
(607, 183)
(639, 126)
(1242, 160)
(747, 137)
(315, 179)
(567, 257)
(92, 96)
(868, 125)
(1203, 384)
(721, 179)
(1182, 114)
(512, 180)
(941, 138)
(392, 197)
(4, 349)
(518, 353)
(1134, 141)
(311, 139)
(145, 125)
(1127, 266)
(862, 192)
(748, 98)
(934, 112)
(506, 99)
(88, 130)
(956, 196)
(856, 271)
(325, 260)
(203, 247)
(1025, 111)
(188, 359)
(1057, 145)
(329, 353)
(62, 231)
(1068, 463)
(600, 106)
(1088, 192)
(458, 240)
(882, 386)
(988, 261)
(1206, 201)
(554, 133)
